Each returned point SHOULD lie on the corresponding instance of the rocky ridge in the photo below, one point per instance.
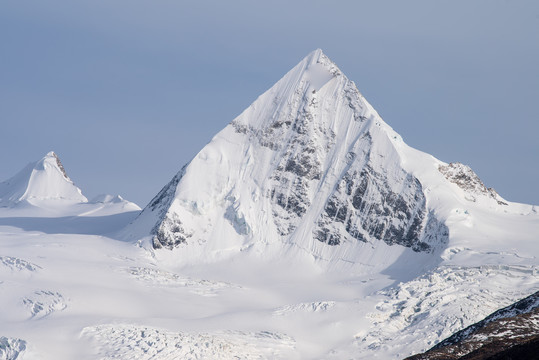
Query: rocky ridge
(465, 178)
(511, 331)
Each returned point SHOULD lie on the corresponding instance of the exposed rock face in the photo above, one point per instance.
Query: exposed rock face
(169, 232)
(512, 332)
(467, 180)
(59, 164)
(310, 159)
(366, 204)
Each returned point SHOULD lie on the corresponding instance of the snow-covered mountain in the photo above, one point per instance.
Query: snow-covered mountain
(305, 229)
(309, 165)
(310, 169)
(43, 180)
(43, 188)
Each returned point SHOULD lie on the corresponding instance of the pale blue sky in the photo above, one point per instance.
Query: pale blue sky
(126, 92)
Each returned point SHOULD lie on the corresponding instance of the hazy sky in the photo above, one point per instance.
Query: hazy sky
(126, 92)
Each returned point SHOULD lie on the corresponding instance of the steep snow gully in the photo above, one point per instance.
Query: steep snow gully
(305, 229)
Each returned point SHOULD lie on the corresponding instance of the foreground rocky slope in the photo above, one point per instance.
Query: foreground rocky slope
(509, 333)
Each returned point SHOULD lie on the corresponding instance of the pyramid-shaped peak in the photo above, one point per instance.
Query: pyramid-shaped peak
(45, 179)
(308, 163)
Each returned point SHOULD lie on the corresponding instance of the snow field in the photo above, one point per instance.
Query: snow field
(306, 229)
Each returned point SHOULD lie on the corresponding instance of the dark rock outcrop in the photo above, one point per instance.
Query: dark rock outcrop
(509, 333)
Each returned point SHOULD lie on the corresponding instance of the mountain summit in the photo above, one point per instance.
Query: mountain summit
(309, 166)
(45, 179)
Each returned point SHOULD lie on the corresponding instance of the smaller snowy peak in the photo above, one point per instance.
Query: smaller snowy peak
(115, 201)
(465, 178)
(107, 198)
(45, 179)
